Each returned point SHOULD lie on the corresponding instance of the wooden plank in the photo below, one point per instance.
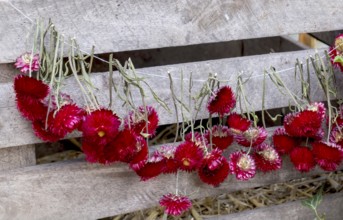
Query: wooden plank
(11, 123)
(77, 190)
(16, 157)
(7, 72)
(327, 37)
(332, 206)
(132, 25)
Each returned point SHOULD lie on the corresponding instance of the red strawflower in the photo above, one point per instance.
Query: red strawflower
(28, 86)
(189, 156)
(302, 159)
(136, 120)
(336, 52)
(140, 158)
(242, 165)
(266, 158)
(101, 126)
(327, 155)
(283, 143)
(27, 62)
(222, 101)
(306, 123)
(199, 140)
(68, 118)
(336, 136)
(214, 168)
(237, 123)
(150, 170)
(96, 153)
(31, 108)
(253, 136)
(44, 134)
(221, 137)
(166, 154)
(175, 204)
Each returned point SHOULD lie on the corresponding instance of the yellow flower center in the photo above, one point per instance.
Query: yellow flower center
(338, 137)
(186, 162)
(251, 134)
(339, 44)
(101, 133)
(269, 154)
(244, 163)
(26, 58)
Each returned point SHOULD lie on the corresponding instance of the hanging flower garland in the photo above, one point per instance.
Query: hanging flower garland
(107, 138)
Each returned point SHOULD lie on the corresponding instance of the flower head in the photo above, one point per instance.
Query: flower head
(214, 168)
(242, 165)
(68, 118)
(327, 155)
(136, 121)
(222, 101)
(166, 154)
(283, 143)
(198, 139)
(221, 137)
(302, 159)
(253, 136)
(189, 156)
(44, 134)
(139, 159)
(29, 86)
(237, 123)
(150, 170)
(27, 63)
(31, 108)
(336, 136)
(266, 158)
(101, 126)
(175, 204)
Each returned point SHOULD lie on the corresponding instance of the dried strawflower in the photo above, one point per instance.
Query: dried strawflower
(27, 61)
(283, 143)
(242, 165)
(237, 124)
(150, 170)
(198, 139)
(336, 53)
(336, 136)
(98, 153)
(222, 101)
(139, 159)
(251, 137)
(327, 155)
(29, 86)
(136, 121)
(221, 137)
(175, 204)
(44, 134)
(214, 168)
(266, 158)
(189, 156)
(101, 126)
(302, 159)
(31, 108)
(166, 154)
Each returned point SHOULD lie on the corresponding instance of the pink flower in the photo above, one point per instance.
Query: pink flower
(242, 165)
(266, 158)
(175, 204)
(252, 136)
(189, 156)
(222, 101)
(25, 61)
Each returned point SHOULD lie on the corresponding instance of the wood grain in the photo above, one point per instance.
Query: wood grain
(332, 206)
(327, 37)
(15, 157)
(11, 123)
(77, 190)
(133, 25)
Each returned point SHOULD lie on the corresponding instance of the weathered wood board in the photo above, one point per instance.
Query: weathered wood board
(77, 190)
(132, 25)
(331, 206)
(15, 157)
(11, 123)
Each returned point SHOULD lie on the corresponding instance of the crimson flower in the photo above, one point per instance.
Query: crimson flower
(214, 168)
(136, 121)
(139, 159)
(44, 134)
(242, 165)
(266, 158)
(27, 62)
(302, 159)
(175, 204)
(327, 155)
(251, 137)
(336, 52)
(101, 126)
(336, 136)
(198, 139)
(222, 101)
(283, 143)
(68, 118)
(29, 86)
(221, 137)
(150, 170)
(189, 156)
(237, 123)
(166, 154)
(31, 108)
